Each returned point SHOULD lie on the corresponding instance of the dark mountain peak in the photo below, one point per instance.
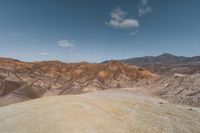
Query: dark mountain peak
(108, 61)
(167, 55)
(167, 63)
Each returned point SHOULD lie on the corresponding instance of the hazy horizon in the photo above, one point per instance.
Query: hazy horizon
(98, 30)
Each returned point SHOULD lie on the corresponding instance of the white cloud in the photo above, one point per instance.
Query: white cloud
(44, 53)
(118, 14)
(66, 43)
(144, 8)
(119, 20)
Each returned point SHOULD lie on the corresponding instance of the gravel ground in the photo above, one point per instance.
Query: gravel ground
(110, 111)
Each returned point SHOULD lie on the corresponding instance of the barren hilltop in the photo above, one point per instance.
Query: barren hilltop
(118, 111)
(21, 81)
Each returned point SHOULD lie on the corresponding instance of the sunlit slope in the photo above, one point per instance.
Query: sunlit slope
(110, 111)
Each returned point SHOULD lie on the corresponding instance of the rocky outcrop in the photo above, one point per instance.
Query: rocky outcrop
(179, 88)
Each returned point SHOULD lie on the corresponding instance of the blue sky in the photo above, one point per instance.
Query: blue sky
(98, 30)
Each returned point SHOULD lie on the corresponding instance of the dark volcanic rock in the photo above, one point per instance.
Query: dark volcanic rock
(9, 86)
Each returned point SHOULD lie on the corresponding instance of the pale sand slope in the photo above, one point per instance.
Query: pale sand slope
(110, 111)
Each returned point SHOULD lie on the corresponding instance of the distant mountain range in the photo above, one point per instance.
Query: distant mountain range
(166, 63)
(163, 59)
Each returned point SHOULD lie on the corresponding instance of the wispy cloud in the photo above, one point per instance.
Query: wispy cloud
(44, 53)
(133, 33)
(66, 43)
(120, 20)
(144, 8)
